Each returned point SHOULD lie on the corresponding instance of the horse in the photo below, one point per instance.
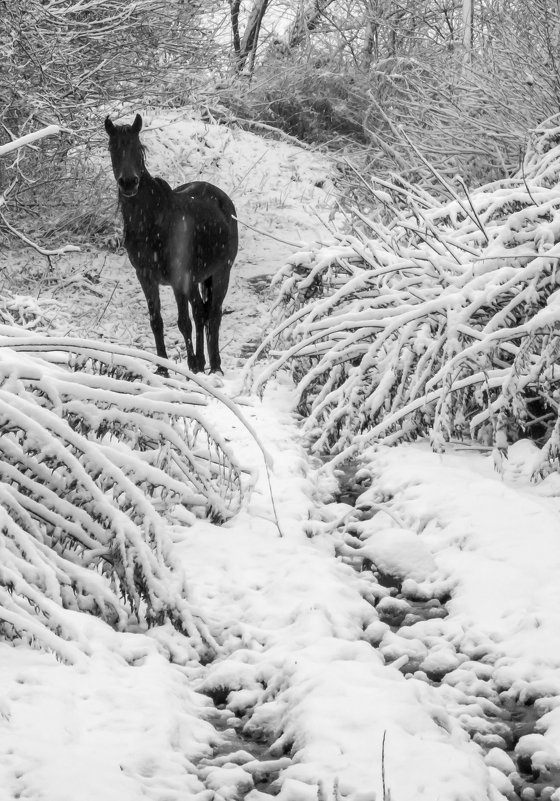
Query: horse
(184, 237)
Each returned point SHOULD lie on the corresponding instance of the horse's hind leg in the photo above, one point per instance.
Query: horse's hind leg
(199, 310)
(217, 287)
(185, 327)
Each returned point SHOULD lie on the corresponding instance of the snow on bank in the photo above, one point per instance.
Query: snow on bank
(496, 542)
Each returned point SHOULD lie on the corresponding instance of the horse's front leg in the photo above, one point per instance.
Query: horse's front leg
(151, 292)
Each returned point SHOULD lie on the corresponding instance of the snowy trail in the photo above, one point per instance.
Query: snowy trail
(320, 663)
(297, 670)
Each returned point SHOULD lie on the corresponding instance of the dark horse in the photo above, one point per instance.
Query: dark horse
(184, 237)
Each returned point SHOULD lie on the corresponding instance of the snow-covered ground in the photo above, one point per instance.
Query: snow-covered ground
(329, 684)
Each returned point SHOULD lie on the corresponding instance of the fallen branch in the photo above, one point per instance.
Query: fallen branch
(43, 251)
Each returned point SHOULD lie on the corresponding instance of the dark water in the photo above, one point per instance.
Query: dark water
(249, 750)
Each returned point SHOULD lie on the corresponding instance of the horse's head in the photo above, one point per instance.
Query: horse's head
(127, 155)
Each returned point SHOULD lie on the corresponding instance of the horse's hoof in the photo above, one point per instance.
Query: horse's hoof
(215, 379)
(195, 366)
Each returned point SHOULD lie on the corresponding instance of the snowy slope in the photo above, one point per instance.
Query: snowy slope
(323, 688)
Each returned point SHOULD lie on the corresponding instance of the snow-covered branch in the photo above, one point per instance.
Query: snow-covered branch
(430, 318)
(97, 454)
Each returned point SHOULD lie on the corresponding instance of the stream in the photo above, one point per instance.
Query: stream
(240, 762)
(492, 715)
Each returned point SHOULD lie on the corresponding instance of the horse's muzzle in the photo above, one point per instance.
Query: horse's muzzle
(128, 186)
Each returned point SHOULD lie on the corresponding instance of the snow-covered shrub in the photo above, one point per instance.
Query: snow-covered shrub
(96, 452)
(438, 318)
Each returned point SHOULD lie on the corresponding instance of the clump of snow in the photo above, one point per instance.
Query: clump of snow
(523, 458)
(397, 552)
(228, 781)
(394, 646)
(392, 610)
(543, 754)
(442, 659)
(500, 760)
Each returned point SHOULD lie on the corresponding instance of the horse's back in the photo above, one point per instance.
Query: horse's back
(206, 193)
(214, 216)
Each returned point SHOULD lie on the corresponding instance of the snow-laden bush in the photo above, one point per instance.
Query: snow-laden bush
(96, 453)
(434, 317)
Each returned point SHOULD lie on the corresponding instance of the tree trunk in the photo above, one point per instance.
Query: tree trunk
(467, 31)
(245, 48)
(234, 9)
(371, 37)
(307, 19)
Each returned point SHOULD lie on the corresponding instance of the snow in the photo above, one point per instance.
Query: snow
(103, 730)
(397, 552)
(327, 684)
(499, 540)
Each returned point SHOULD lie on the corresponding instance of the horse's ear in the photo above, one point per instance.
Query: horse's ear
(137, 124)
(109, 126)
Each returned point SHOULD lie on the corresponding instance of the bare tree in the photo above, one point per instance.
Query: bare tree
(468, 21)
(308, 18)
(245, 47)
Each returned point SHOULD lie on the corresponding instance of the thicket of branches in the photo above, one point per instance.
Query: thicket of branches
(356, 74)
(363, 76)
(97, 454)
(436, 318)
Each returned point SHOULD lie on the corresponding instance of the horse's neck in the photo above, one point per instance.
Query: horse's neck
(145, 207)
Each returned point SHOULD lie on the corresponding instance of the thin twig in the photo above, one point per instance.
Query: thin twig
(101, 316)
(383, 765)
(264, 127)
(474, 217)
(526, 184)
(298, 245)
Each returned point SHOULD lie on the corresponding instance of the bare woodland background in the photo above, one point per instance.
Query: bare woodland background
(464, 80)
